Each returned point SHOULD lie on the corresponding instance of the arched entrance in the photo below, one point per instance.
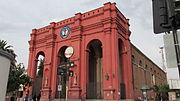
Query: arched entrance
(37, 84)
(61, 79)
(95, 78)
(121, 71)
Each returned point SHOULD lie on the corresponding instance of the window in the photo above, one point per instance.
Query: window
(153, 80)
(146, 67)
(140, 63)
(133, 59)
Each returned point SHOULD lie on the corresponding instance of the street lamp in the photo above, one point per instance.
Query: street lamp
(144, 89)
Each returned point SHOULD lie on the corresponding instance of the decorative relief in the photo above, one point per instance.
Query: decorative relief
(75, 79)
(46, 82)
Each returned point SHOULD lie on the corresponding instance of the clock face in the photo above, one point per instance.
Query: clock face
(65, 31)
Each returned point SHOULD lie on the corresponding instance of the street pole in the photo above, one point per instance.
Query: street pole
(67, 79)
(68, 53)
(58, 88)
(176, 45)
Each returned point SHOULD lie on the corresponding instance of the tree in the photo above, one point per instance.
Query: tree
(161, 92)
(5, 47)
(17, 77)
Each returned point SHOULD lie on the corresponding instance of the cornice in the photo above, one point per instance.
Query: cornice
(93, 33)
(76, 28)
(121, 28)
(50, 36)
(31, 49)
(107, 20)
(50, 44)
(43, 40)
(76, 38)
(31, 42)
(92, 26)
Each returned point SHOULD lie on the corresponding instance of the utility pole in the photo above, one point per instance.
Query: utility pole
(67, 79)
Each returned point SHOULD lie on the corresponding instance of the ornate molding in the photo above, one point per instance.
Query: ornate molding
(50, 36)
(76, 38)
(121, 28)
(107, 20)
(77, 28)
(40, 41)
(93, 26)
(50, 44)
(31, 42)
(31, 49)
(107, 30)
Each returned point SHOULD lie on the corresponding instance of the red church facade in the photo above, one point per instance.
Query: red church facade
(102, 56)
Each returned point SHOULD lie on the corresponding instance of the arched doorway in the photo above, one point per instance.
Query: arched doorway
(121, 73)
(95, 75)
(37, 84)
(61, 79)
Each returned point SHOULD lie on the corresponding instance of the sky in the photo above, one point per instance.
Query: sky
(19, 17)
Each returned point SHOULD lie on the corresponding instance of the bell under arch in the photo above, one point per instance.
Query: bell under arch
(95, 70)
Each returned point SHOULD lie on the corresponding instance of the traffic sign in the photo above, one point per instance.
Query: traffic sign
(69, 52)
(59, 87)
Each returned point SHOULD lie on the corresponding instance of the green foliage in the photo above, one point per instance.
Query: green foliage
(17, 77)
(17, 74)
(3, 46)
(161, 91)
(41, 67)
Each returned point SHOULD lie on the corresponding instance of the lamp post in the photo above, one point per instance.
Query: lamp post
(144, 89)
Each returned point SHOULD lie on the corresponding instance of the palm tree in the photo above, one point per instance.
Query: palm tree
(3, 46)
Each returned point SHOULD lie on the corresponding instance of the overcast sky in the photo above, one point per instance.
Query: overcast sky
(19, 17)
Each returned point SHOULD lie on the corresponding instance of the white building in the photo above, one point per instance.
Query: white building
(172, 69)
(5, 61)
